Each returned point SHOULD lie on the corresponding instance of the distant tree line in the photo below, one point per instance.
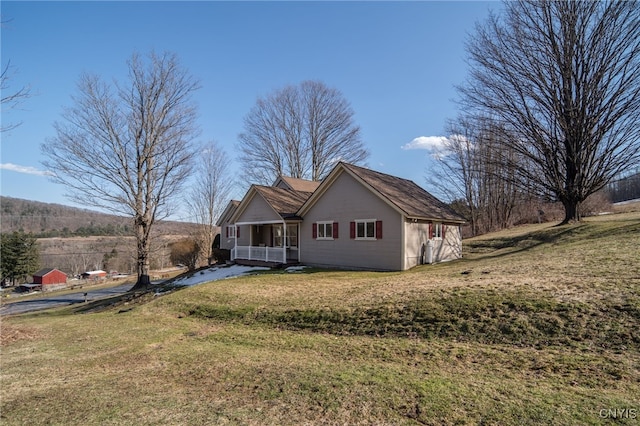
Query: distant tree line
(54, 220)
(97, 230)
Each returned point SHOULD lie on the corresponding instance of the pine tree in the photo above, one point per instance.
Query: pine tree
(19, 255)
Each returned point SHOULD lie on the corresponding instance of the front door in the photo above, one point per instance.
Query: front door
(288, 239)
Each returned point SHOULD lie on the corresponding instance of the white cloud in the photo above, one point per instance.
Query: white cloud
(430, 143)
(24, 169)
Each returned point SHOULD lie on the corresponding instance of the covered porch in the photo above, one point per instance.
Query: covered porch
(272, 242)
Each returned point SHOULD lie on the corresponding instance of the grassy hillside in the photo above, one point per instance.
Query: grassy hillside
(536, 325)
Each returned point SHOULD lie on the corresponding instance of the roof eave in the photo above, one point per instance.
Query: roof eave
(435, 219)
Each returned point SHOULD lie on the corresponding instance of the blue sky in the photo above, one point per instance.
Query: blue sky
(396, 63)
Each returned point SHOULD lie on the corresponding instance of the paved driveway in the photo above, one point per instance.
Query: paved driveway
(54, 301)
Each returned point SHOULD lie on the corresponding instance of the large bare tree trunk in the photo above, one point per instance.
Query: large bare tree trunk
(571, 211)
(143, 252)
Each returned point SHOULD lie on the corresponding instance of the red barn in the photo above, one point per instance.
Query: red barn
(50, 278)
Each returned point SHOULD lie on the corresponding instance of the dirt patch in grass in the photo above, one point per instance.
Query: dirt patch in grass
(11, 333)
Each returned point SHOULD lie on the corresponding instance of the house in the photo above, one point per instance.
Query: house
(227, 229)
(356, 218)
(50, 279)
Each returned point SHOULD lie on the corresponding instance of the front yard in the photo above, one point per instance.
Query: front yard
(536, 325)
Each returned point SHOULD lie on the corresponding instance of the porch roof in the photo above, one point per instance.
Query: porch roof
(284, 202)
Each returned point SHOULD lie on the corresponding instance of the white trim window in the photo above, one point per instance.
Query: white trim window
(366, 229)
(325, 231)
(231, 231)
(437, 231)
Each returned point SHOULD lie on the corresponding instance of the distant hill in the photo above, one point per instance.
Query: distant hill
(57, 220)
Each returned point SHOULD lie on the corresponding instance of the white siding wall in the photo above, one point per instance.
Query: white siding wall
(451, 247)
(417, 234)
(258, 210)
(345, 201)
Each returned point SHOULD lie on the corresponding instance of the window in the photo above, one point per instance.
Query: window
(369, 229)
(231, 231)
(325, 230)
(291, 239)
(437, 230)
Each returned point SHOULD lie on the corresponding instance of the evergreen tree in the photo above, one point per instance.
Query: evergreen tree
(20, 256)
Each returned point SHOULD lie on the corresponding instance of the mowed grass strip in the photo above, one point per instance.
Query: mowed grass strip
(536, 325)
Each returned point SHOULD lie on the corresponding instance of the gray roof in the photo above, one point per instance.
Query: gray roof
(302, 185)
(227, 213)
(405, 194)
(285, 202)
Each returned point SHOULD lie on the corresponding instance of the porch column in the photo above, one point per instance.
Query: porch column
(250, 239)
(235, 241)
(284, 242)
(298, 234)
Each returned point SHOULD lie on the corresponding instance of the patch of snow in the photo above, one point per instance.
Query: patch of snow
(218, 273)
(622, 203)
(298, 268)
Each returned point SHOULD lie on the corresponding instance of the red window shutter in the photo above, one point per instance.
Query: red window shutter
(314, 231)
(444, 230)
(237, 232)
(352, 230)
(431, 231)
(227, 229)
(378, 229)
(335, 230)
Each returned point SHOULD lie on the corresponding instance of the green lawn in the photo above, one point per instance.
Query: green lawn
(536, 325)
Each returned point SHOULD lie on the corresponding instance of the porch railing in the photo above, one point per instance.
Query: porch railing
(265, 254)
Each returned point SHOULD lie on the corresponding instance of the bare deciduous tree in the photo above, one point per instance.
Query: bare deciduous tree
(563, 78)
(11, 99)
(209, 194)
(467, 170)
(299, 131)
(127, 148)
